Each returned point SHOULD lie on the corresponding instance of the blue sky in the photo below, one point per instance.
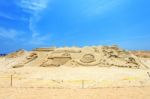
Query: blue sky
(27, 24)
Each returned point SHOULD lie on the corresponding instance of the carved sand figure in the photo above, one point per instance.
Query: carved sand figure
(28, 59)
(101, 56)
(88, 58)
(57, 60)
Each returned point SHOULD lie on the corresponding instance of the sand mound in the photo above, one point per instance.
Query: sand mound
(102, 56)
(71, 67)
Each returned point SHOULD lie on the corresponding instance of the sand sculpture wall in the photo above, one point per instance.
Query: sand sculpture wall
(102, 56)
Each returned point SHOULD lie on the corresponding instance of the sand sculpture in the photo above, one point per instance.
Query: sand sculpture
(88, 58)
(16, 54)
(56, 60)
(102, 56)
(28, 59)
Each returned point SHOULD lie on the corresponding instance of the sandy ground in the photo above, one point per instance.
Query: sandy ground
(113, 83)
(102, 93)
(99, 83)
(68, 77)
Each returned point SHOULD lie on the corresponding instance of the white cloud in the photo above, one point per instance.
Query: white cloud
(34, 8)
(12, 16)
(8, 33)
(4, 15)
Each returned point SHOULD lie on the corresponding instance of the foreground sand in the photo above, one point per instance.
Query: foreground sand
(68, 77)
(100, 83)
(102, 93)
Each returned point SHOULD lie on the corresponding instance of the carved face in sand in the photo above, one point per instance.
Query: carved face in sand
(87, 58)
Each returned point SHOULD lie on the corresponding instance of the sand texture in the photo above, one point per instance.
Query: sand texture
(95, 72)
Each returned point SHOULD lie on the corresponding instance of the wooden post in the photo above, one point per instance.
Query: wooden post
(11, 80)
(82, 84)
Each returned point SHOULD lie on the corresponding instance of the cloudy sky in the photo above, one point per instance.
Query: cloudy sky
(27, 24)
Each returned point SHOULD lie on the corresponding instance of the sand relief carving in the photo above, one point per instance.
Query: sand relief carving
(104, 56)
(88, 58)
(18, 65)
(57, 60)
(30, 58)
(124, 58)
